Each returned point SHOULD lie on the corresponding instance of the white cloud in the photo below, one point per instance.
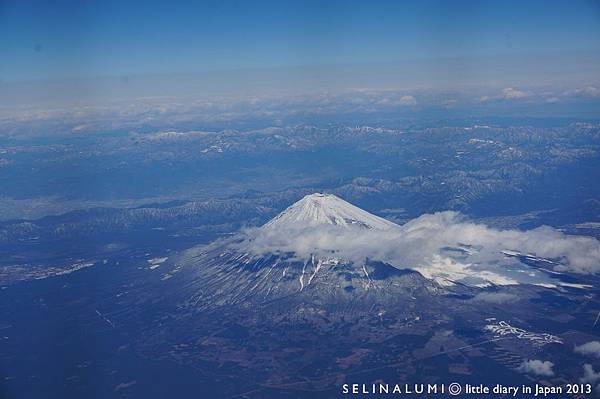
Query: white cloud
(591, 348)
(509, 93)
(443, 246)
(537, 367)
(589, 375)
(589, 91)
(407, 100)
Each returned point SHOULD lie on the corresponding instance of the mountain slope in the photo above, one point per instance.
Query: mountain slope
(229, 272)
(326, 247)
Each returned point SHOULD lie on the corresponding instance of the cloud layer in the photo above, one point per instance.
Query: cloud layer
(443, 246)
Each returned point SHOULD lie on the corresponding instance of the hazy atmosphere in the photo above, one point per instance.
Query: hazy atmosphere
(299, 199)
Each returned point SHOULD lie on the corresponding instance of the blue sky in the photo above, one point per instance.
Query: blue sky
(83, 39)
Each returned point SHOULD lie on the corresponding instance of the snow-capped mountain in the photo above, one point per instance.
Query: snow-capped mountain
(317, 208)
(230, 272)
(325, 248)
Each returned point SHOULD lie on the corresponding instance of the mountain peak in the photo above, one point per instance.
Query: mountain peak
(327, 209)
